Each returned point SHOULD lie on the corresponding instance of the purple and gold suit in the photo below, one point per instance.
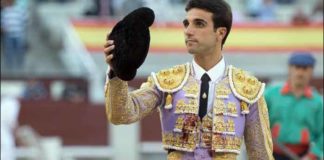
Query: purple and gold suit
(239, 111)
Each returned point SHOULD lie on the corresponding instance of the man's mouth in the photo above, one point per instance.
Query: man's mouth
(191, 41)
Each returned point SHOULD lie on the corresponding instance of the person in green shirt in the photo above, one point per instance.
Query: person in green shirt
(296, 112)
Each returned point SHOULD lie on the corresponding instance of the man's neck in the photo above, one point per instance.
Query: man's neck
(297, 90)
(208, 61)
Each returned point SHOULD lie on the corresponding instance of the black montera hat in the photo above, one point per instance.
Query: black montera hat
(131, 38)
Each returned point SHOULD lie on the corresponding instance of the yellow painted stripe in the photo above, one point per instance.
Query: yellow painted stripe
(242, 38)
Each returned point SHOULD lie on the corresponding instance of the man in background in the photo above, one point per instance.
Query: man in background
(13, 33)
(296, 112)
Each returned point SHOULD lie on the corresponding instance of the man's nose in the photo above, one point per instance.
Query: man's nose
(188, 30)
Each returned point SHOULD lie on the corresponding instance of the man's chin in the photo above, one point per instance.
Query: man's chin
(190, 50)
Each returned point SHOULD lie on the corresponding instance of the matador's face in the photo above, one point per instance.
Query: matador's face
(200, 35)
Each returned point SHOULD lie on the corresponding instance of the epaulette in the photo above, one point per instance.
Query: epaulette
(173, 79)
(245, 86)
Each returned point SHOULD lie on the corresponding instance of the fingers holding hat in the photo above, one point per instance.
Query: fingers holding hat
(108, 43)
(108, 47)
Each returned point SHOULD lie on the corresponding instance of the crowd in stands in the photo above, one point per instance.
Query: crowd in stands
(253, 10)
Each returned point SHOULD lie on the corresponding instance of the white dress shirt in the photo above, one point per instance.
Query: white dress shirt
(215, 73)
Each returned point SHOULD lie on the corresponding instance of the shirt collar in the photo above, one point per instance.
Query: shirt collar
(287, 89)
(215, 73)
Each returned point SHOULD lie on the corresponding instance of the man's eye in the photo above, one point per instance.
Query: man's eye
(200, 24)
(185, 24)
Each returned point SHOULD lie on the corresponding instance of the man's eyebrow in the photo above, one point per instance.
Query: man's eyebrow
(195, 20)
(200, 20)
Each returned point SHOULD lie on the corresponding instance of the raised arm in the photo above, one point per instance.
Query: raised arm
(123, 107)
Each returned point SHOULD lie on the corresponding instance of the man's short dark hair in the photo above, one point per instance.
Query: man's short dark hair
(221, 10)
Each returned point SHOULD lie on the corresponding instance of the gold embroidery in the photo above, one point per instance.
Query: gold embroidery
(226, 143)
(175, 155)
(257, 133)
(230, 125)
(190, 123)
(179, 124)
(190, 107)
(231, 109)
(172, 78)
(207, 124)
(206, 138)
(123, 107)
(148, 84)
(219, 124)
(192, 89)
(178, 141)
(245, 85)
(224, 156)
(218, 142)
(180, 106)
(244, 107)
(219, 107)
(222, 90)
(185, 141)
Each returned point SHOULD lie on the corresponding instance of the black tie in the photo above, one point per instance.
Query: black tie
(203, 95)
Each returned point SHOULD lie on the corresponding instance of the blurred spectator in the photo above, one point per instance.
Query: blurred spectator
(261, 10)
(73, 93)
(35, 90)
(254, 7)
(93, 8)
(296, 112)
(123, 7)
(317, 14)
(10, 107)
(285, 1)
(130, 5)
(300, 17)
(13, 30)
(267, 13)
(99, 8)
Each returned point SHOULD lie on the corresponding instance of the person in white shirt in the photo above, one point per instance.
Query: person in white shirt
(10, 107)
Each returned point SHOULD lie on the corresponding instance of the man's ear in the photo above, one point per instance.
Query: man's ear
(221, 32)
